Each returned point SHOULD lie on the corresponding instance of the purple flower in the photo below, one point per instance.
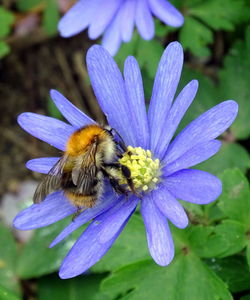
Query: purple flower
(122, 100)
(116, 19)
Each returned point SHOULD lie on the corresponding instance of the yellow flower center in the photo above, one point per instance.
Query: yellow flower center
(145, 171)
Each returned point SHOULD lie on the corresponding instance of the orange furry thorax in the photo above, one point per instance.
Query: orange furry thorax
(82, 138)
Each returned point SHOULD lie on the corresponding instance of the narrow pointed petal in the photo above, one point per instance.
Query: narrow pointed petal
(165, 84)
(104, 14)
(108, 200)
(127, 20)
(135, 94)
(206, 127)
(170, 207)
(54, 208)
(166, 12)
(112, 37)
(167, 126)
(194, 186)
(70, 112)
(192, 157)
(42, 165)
(47, 129)
(96, 240)
(109, 89)
(144, 20)
(160, 242)
(78, 17)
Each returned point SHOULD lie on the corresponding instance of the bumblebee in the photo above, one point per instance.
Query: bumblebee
(90, 157)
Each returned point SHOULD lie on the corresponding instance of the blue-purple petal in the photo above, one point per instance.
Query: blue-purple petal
(144, 20)
(112, 37)
(78, 17)
(109, 89)
(127, 19)
(168, 126)
(108, 200)
(194, 186)
(170, 207)
(135, 94)
(166, 12)
(165, 84)
(70, 112)
(192, 157)
(42, 165)
(47, 129)
(206, 127)
(104, 14)
(54, 208)
(91, 246)
(160, 242)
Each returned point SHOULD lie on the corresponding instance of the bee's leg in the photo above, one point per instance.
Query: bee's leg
(114, 182)
(77, 213)
(127, 174)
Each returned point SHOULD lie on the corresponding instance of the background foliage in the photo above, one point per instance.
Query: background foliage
(212, 258)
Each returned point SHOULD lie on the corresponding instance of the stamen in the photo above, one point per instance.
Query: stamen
(145, 171)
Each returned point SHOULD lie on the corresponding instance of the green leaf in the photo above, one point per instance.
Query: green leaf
(220, 14)
(234, 84)
(233, 270)
(37, 259)
(229, 156)
(248, 249)
(195, 36)
(235, 198)
(51, 17)
(85, 287)
(6, 20)
(7, 295)
(131, 246)
(26, 5)
(8, 258)
(222, 240)
(185, 278)
(4, 49)
(148, 55)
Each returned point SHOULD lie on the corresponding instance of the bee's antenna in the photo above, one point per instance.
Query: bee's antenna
(121, 142)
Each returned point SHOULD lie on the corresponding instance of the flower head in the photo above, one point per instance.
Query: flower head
(160, 165)
(116, 19)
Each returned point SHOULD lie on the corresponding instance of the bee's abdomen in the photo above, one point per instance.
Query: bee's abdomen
(81, 200)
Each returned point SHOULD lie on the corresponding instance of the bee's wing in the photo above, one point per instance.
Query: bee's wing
(84, 173)
(51, 182)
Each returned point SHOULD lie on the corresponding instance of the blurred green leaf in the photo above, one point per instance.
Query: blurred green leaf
(37, 259)
(53, 110)
(185, 278)
(233, 270)
(222, 240)
(4, 49)
(8, 258)
(6, 20)
(229, 156)
(131, 246)
(148, 55)
(25, 5)
(83, 287)
(235, 198)
(7, 295)
(51, 17)
(220, 14)
(234, 84)
(195, 36)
